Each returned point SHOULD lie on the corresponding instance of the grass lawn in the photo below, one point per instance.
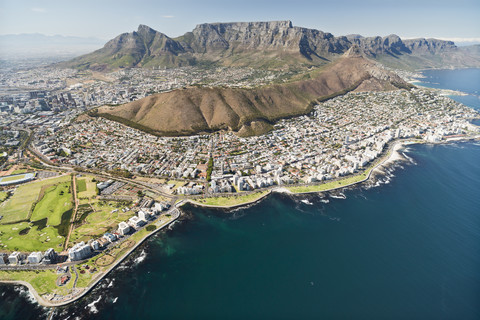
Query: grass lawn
(81, 185)
(231, 200)
(18, 207)
(85, 278)
(329, 185)
(176, 183)
(43, 281)
(86, 189)
(14, 237)
(3, 196)
(100, 221)
(54, 203)
(20, 171)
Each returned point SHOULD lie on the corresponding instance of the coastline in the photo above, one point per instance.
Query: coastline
(391, 156)
(98, 277)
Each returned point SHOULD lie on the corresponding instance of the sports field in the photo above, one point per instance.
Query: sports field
(17, 177)
(56, 200)
(19, 206)
(86, 189)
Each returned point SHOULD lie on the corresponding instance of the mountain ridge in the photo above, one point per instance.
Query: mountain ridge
(250, 111)
(271, 44)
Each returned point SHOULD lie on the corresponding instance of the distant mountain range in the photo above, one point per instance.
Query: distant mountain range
(35, 45)
(272, 44)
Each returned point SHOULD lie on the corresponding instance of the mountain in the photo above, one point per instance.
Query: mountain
(250, 111)
(35, 45)
(273, 44)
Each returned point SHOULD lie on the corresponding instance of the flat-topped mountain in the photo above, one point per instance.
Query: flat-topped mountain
(266, 44)
(250, 111)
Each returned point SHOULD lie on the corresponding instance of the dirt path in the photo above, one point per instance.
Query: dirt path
(74, 214)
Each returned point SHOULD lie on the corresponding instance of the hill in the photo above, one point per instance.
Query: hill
(273, 44)
(250, 111)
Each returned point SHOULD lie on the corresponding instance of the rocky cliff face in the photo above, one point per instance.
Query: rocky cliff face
(259, 44)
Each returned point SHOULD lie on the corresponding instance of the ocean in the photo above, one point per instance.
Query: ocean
(404, 246)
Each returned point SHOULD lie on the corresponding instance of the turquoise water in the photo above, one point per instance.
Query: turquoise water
(405, 247)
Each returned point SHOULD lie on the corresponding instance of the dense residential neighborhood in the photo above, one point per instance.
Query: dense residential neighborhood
(340, 137)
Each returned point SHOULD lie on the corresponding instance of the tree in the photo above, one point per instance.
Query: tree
(209, 169)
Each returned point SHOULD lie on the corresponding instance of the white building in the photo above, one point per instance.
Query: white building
(136, 222)
(123, 228)
(3, 258)
(16, 257)
(50, 256)
(95, 245)
(35, 257)
(143, 215)
(79, 251)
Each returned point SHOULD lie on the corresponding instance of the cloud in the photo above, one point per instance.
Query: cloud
(454, 39)
(168, 17)
(40, 10)
(461, 39)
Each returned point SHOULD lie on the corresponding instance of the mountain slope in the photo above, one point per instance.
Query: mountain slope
(266, 44)
(249, 111)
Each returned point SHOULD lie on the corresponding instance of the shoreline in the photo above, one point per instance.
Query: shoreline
(98, 277)
(389, 158)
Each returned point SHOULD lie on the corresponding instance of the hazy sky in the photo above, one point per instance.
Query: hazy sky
(106, 19)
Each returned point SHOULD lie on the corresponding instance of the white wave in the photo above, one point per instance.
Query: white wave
(325, 200)
(110, 284)
(92, 307)
(25, 292)
(140, 258)
(409, 159)
(306, 202)
(115, 300)
(339, 196)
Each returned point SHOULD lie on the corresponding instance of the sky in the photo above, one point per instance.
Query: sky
(458, 19)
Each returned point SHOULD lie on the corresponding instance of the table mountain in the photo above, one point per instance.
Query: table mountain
(265, 44)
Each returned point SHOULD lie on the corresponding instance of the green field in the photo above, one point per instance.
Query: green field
(42, 281)
(20, 171)
(86, 189)
(81, 185)
(102, 220)
(29, 237)
(56, 200)
(19, 206)
(13, 178)
(330, 185)
(232, 200)
(3, 196)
